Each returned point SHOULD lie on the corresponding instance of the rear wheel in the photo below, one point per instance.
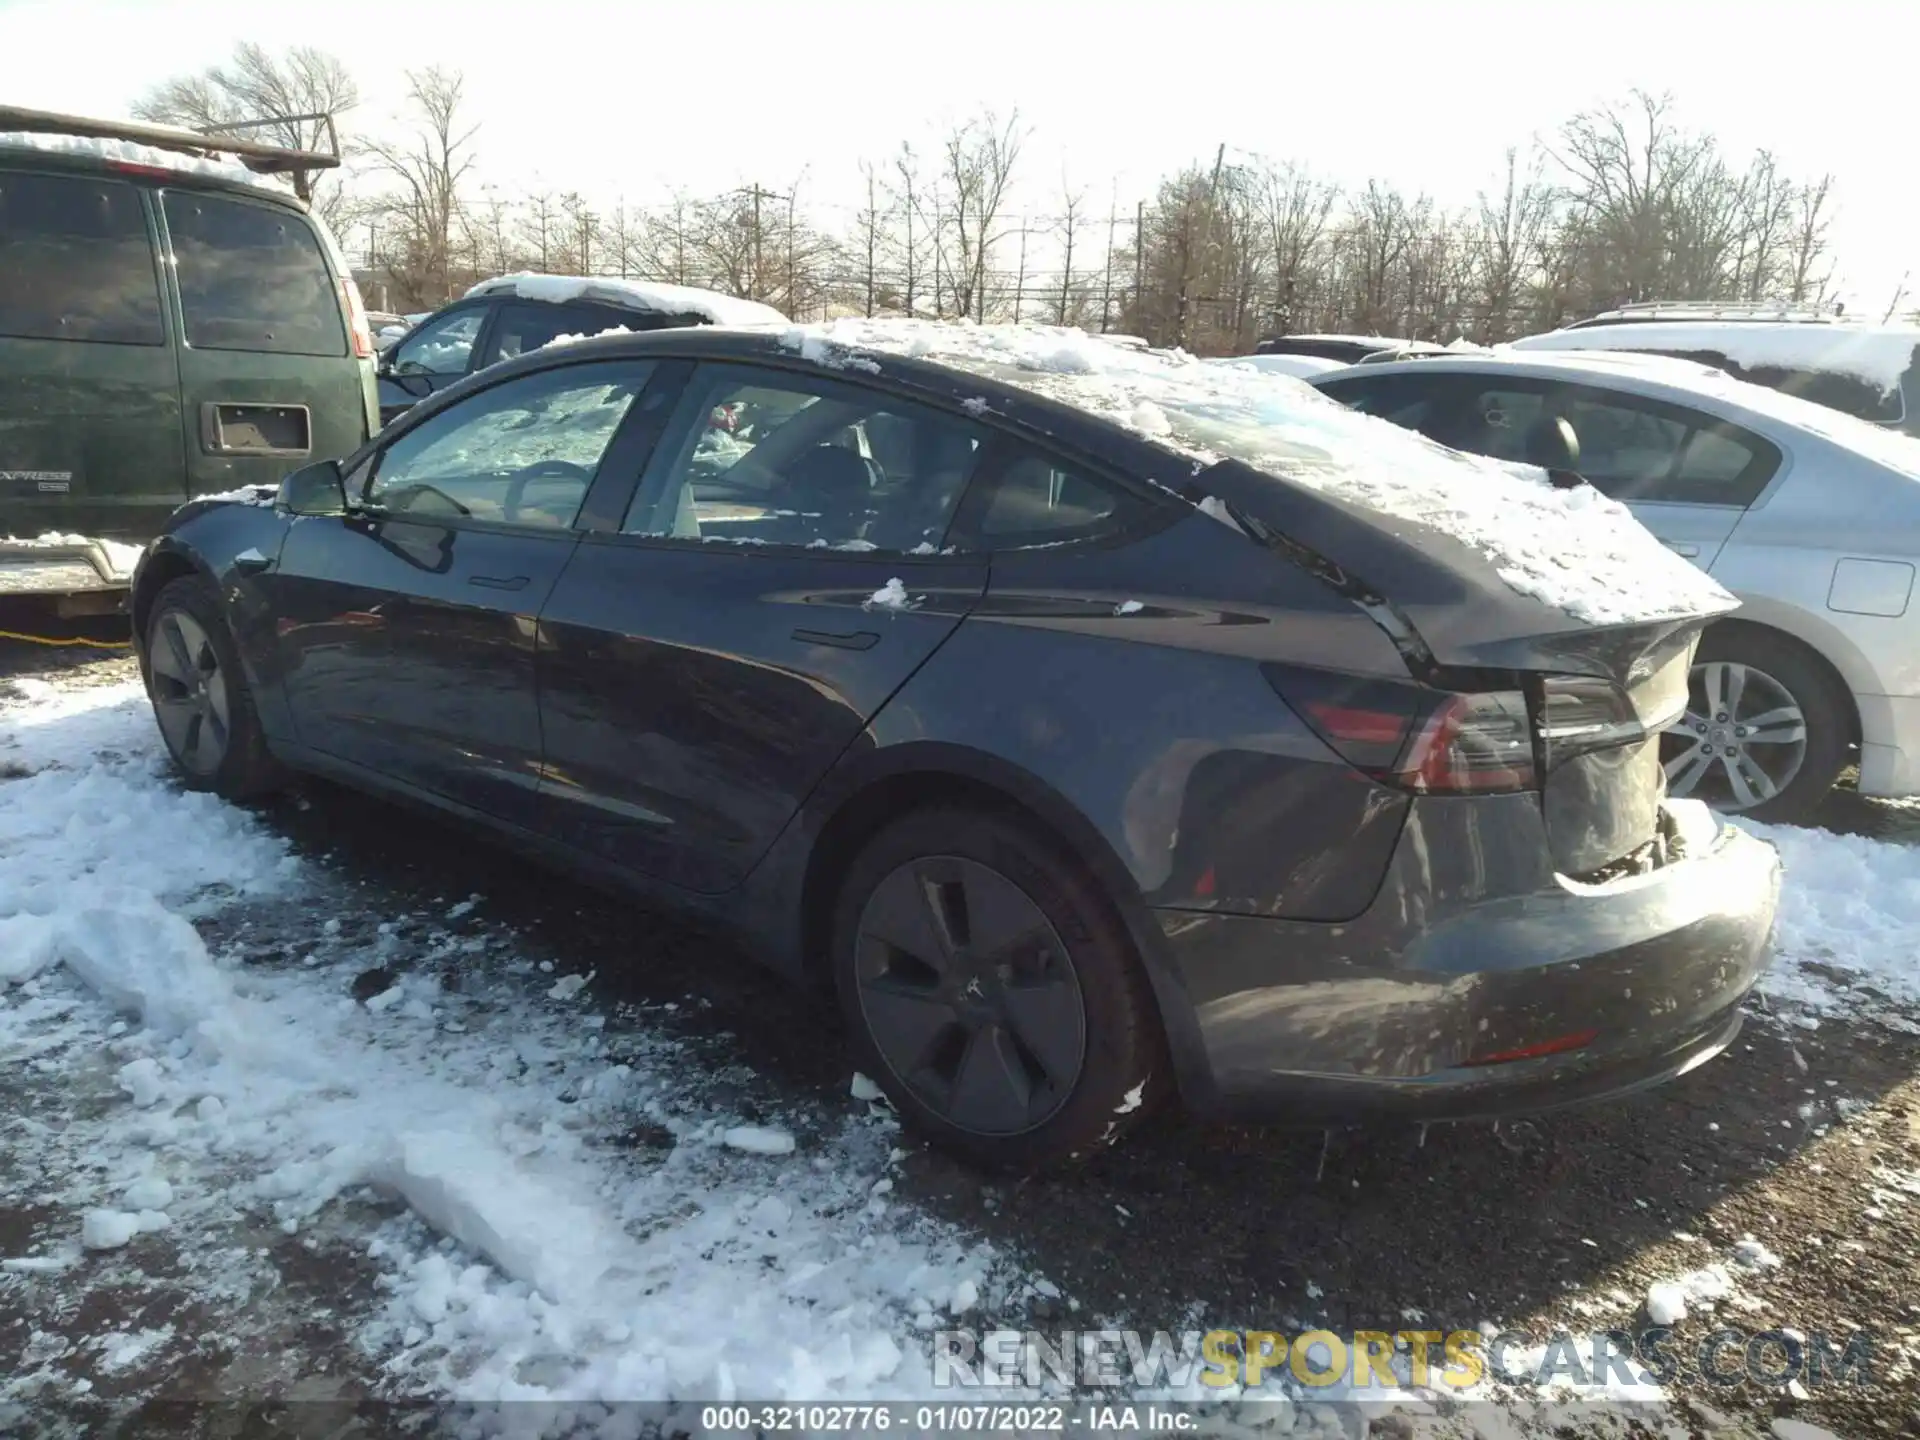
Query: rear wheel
(200, 695)
(1766, 731)
(991, 991)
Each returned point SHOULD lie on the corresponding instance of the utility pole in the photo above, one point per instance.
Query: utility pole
(1139, 251)
(757, 193)
(793, 287)
(1206, 238)
(1020, 281)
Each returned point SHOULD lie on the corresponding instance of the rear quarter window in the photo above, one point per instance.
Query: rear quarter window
(252, 277)
(75, 262)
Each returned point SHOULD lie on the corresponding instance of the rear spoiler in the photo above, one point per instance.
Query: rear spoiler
(260, 159)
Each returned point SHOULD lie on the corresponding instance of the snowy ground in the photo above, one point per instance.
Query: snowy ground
(323, 1101)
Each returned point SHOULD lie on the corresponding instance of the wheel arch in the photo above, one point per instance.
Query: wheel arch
(891, 782)
(168, 561)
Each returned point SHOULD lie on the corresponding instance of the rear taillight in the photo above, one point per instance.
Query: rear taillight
(357, 324)
(1411, 736)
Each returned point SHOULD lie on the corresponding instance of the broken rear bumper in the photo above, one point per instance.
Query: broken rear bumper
(1446, 1001)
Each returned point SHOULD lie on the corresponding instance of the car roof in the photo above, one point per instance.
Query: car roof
(182, 158)
(643, 297)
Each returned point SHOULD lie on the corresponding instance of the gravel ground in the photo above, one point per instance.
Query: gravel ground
(1790, 1138)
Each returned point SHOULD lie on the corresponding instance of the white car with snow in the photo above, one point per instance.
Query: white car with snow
(1809, 516)
(514, 314)
(1871, 372)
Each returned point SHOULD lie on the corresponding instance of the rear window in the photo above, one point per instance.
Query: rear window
(75, 263)
(252, 277)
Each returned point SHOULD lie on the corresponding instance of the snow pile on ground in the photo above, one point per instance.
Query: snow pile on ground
(1878, 356)
(1573, 549)
(542, 1257)
(652, 296)
(1849, 912)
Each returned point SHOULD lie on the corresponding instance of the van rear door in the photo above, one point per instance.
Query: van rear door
(89, 390)
(268, 377)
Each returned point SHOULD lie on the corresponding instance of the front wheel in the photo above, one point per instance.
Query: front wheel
(200, 695)
(992, 992)
(1766, 731)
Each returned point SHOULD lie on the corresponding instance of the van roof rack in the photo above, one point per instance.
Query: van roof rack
(1778, 311)
(259, 158)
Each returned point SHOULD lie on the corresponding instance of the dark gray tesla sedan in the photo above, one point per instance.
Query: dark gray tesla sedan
(1098, 724)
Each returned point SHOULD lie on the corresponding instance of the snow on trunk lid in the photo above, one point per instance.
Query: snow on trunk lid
(1572, 549)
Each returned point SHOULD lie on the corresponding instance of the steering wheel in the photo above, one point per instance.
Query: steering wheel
(541, 470)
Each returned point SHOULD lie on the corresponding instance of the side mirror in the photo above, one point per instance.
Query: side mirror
(317, 489)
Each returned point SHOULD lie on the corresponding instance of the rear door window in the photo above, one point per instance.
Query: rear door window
(1630, 449)
(252, 277)
(1037, 500)
(75, 262)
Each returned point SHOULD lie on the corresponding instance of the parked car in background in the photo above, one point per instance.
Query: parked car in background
(170, 326)
(1298, 366)
(1810, 517)
(1096, 722)
(501, 318)
(1346, 349)
(1871, 372)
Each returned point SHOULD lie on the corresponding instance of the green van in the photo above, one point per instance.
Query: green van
(170, 327)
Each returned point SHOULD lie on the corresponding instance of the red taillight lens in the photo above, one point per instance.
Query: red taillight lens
(357, 324)
(1428, 741)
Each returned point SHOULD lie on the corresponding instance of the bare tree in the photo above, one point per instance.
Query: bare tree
(911, 243)
(977, 161)
(1069, 302)
(428, 169)
(293, 93)
(1507, 236)
(872, 223)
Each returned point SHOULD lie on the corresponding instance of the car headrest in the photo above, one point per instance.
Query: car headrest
(1553, 444)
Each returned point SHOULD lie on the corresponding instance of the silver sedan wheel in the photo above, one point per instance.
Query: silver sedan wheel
(1742, 741)
(189, 690)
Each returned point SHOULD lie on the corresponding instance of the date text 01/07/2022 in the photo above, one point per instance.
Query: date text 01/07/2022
(946, 1419)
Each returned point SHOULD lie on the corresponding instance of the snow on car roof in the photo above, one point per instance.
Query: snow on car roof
(1572, 549)
(1878, 355)
(655, 297)
(128, 152)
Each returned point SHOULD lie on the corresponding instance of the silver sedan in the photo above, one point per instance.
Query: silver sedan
(1810, 517)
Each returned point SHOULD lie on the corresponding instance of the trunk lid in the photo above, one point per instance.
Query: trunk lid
(1597, 694)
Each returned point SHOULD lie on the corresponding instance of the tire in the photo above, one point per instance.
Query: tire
(200, 696)
(1066, 1012)
(1763, 674)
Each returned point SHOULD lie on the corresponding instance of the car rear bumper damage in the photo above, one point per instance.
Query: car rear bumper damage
(75, 565)
(1446, 1001)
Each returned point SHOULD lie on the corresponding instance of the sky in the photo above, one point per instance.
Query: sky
(632, 100)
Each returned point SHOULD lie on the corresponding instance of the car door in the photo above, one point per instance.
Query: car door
(775, 577)
(1687, 475)
(406, 627)
(268, 375)
(90, 437)
(440, 351)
